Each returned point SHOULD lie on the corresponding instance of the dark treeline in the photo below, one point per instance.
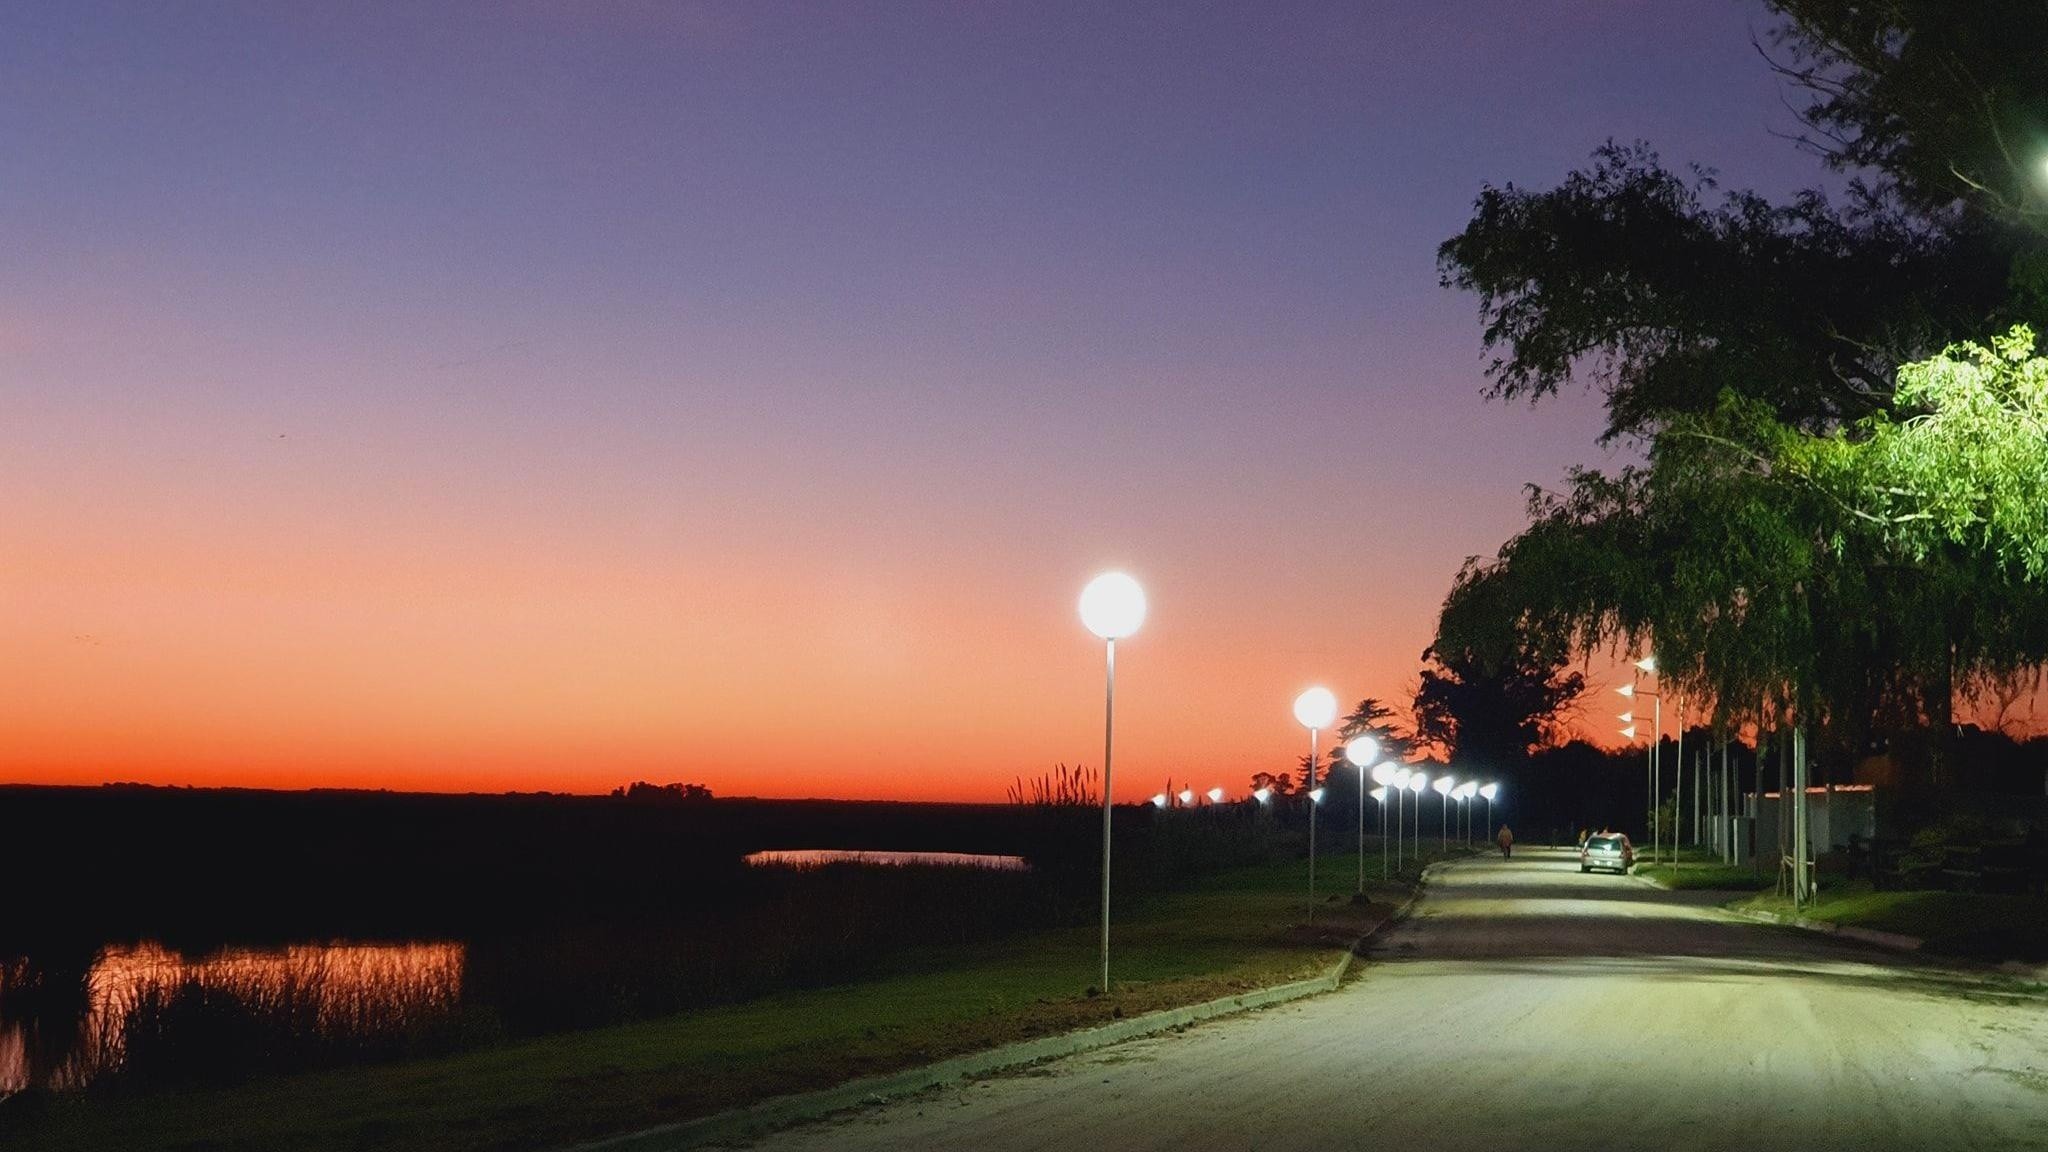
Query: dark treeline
(198, 863)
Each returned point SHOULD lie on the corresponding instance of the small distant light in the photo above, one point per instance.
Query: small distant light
(1490, 791)
(1316, 795)
(1627, 717)
(1262, 794)
(1215, 795)
(1648, 663)
(1443, 785)
(1627, 689)
(1187, 795)
(1362, 751)
(1379, 794)
(1159, 801)
(1629, 731)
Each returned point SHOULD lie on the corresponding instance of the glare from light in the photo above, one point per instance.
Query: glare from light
(1112, 605)
(1187, 795)
(1316, 708)
(1443, 785)
(1629, 731)
(1215, 795)
(1159, 800)
(1384, 774)
(1627, 689)
(1262, 794)
(1316, 795)
(1402, 776)
(1648, 663)
(1488, 792)
(1417, 782)
(1379, 794)
(1468, 789)
(1628, 717)
(1362, 751)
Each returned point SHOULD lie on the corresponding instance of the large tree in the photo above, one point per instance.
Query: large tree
(1783, 545)
(1947, 103)
(1491, 689)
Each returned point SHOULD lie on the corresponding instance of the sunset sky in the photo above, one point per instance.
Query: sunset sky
(520, 396)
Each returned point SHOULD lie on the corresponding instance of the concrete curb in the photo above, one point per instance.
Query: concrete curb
(783, 1111)
(1896, 941)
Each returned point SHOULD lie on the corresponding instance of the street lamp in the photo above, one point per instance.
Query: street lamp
(1262, 794)
(1112, 607)
(1443, 786)
(1215, 795)
(1398, 781)
(1417, 784)
(1463, 795)
(1487, 792)
(1316, 709)
(1187, 796)
(1361, 751)
(1384, 777)
(1653, 767)
(1159, 800)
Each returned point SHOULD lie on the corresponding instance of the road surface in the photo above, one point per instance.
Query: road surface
(1527, 1006)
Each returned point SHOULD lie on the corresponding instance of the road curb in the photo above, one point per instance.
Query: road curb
(783, 1111)
(1896, 941)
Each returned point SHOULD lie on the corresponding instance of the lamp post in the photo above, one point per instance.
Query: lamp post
(1384, 776)
(1487, 792)
(1399, 783)
(1418, 783)
(1651, 769)
(1361, 751)
(1464, 796)
(1112, 607)
(1316, 709)
(1443, 786)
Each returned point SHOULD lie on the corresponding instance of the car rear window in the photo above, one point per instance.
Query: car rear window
(1606, 842)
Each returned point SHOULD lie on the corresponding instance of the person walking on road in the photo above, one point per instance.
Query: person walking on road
(1506, 840)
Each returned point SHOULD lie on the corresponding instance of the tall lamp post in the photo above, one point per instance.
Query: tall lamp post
(1630, 691)
(1464, 794)
(1487, 792)
(1316, 709)
(1418, 784)
(1361, 751)
(1443, 786)
(1112, 607)
(1385, 776)
(1399, 783)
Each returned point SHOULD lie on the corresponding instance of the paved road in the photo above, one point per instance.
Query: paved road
(1527, 1006)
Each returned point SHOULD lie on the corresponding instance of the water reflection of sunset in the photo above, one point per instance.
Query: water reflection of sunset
(341, 990)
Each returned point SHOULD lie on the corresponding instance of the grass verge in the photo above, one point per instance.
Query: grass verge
(1235, 931)
(1706, 873)
(1975, 925)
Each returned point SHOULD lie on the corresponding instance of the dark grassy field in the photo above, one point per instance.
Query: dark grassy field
(1227, 932)
(568, 912)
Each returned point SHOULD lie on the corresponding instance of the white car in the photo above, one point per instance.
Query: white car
(1608, 851)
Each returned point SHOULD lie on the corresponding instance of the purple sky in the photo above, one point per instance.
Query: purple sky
(334, 340)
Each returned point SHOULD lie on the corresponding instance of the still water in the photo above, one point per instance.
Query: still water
(60, 1029)
(813, 857)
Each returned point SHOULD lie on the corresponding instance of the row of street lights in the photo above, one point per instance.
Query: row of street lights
(1653, 768)
(1113, 607)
